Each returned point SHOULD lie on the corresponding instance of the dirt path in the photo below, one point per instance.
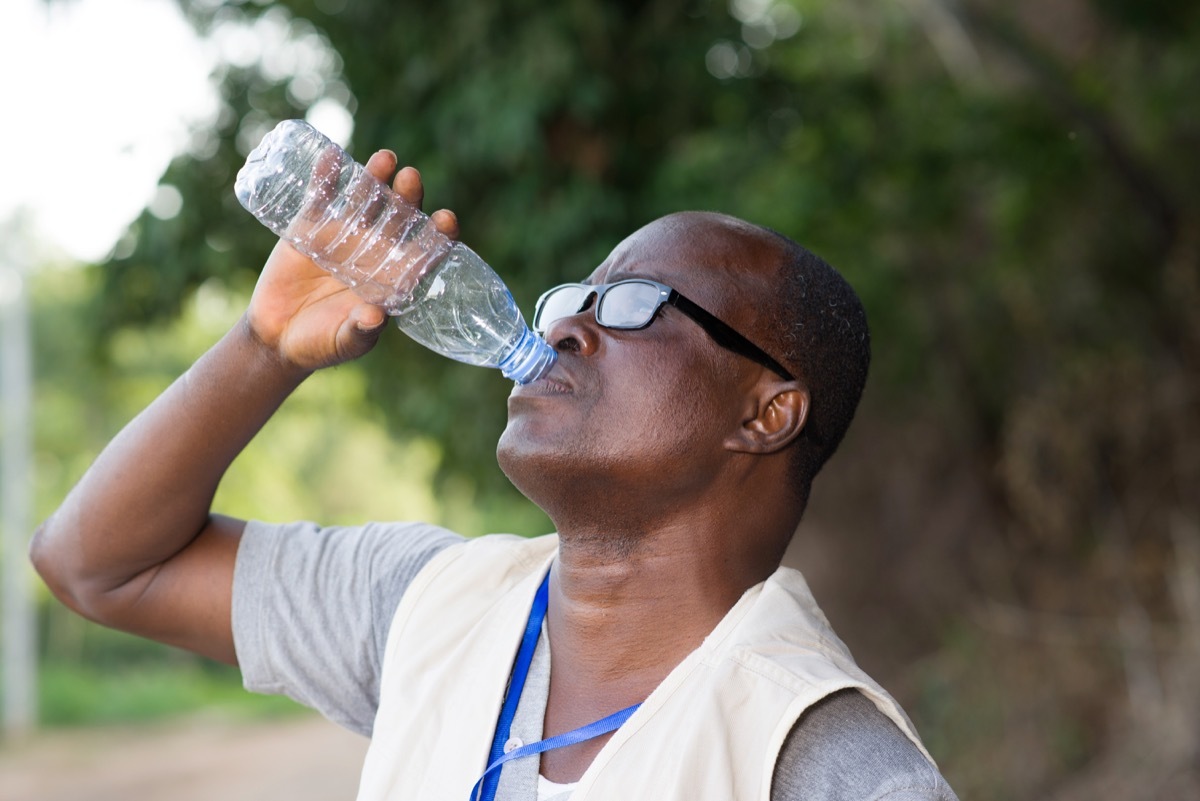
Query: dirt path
(300, 759)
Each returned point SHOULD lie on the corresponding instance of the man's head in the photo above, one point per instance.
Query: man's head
(664, 409)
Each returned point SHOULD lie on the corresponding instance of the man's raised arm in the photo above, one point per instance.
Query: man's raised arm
(135, 544)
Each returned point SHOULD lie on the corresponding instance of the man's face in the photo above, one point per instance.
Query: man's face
(630, 410)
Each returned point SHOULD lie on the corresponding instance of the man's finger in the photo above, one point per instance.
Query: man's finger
(381, 164)
(408, 186)
(446, 222)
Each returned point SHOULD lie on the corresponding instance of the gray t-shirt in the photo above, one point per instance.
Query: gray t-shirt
(312, 608)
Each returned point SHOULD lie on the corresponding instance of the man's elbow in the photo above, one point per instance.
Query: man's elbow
(65, 573)
(42, 555)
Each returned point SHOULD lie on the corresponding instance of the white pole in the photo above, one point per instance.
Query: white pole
(16, 464)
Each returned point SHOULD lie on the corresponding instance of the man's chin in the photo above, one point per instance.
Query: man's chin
(512, 454)
(527, 436)
(536, 468)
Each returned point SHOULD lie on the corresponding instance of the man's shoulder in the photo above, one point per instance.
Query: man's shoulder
(843, 747)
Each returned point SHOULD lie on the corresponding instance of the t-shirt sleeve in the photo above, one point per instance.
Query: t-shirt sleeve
(844, 749)
(312, 607)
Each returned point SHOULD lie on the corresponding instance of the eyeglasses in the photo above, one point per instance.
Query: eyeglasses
(633, 304)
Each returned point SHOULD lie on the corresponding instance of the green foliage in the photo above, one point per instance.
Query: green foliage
(75, 695)
(89, 675)
(536, 124)
(960, 193)
(1010, 186)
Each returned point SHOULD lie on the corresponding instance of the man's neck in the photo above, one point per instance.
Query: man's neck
(641, 607)
(620, 623)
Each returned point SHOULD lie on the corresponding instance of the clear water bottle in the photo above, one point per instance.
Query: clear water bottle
(312, 194)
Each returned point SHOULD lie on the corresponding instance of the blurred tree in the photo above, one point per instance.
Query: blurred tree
(555, 132)
(540, 126)
(1010, 185)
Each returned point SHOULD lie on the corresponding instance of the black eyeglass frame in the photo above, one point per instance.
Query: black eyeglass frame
(722, 333)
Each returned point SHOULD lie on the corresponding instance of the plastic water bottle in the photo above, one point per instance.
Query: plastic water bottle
(311, 193)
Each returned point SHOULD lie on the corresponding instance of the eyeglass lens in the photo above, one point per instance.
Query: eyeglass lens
(561, 302)
(629, 304)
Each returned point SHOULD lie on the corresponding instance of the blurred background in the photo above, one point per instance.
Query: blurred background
(1010, 537)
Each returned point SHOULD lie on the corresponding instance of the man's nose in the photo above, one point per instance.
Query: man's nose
(576, 333)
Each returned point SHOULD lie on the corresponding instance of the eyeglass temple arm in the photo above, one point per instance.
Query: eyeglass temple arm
(726, 337)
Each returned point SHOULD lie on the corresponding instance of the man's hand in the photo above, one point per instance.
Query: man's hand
(309, 318)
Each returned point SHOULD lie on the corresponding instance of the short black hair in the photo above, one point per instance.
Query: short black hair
(824, 339)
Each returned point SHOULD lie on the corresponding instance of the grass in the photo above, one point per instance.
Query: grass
(79, 695)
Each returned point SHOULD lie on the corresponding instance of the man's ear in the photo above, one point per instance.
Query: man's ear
(776, 417)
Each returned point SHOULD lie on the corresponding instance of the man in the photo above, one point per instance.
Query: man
(706, 371)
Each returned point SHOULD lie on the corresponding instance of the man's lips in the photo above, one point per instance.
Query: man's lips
(553, 384)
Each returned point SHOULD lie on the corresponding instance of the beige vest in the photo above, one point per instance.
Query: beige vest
(711, 730)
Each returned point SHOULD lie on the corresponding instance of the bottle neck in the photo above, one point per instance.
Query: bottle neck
(530, 359)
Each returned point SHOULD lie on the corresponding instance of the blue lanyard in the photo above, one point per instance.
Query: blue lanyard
(485, 788)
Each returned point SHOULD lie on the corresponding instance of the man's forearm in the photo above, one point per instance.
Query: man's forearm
(148, 495)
